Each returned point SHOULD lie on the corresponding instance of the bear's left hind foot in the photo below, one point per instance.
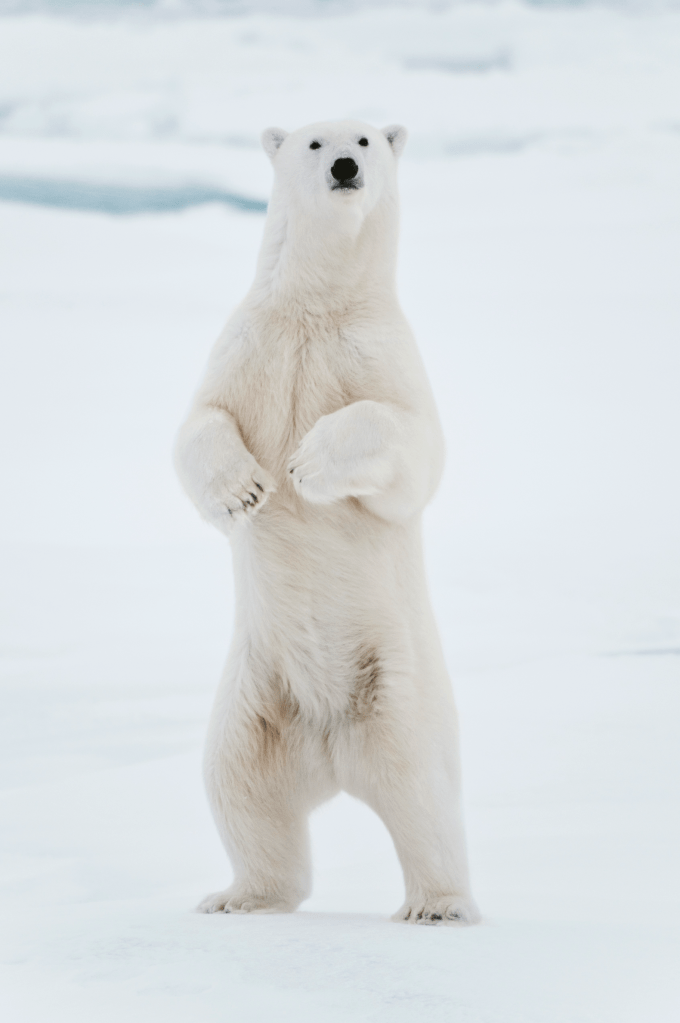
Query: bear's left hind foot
(439, 910)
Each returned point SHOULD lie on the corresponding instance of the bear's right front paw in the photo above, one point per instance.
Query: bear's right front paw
(237, 496)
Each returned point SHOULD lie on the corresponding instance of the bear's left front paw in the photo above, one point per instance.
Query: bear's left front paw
(334, 460)
(315, 485)
(439, 910)
(315, 473)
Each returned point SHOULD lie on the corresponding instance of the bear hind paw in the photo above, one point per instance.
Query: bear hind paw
(439, 910)
(233, 900)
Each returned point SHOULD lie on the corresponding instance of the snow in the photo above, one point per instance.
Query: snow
(540, 259)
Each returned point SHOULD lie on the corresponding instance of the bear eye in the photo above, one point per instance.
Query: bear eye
(363, 142)
(315, 145)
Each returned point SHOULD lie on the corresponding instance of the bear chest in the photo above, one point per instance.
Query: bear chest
(281, 384)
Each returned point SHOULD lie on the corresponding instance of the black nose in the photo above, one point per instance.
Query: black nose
(345, 169)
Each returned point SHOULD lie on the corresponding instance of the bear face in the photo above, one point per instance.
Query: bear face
(335, 163)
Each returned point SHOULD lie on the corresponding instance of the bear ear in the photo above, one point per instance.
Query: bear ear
(272, 139)
(396, 135)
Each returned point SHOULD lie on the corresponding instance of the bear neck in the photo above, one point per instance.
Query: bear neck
(326, 265)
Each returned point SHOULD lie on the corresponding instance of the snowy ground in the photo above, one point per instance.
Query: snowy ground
(539, 266)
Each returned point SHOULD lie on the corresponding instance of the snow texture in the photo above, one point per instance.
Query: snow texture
(539, 266)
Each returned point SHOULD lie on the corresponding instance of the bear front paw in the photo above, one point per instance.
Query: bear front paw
(332, 463)
(314, 485)
(314, 476)
(237, 496)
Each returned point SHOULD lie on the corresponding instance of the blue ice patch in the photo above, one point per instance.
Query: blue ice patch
(120, 199)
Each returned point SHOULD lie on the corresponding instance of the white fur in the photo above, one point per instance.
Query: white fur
(314, 444)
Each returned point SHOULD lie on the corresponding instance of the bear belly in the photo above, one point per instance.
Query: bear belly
(323, 605)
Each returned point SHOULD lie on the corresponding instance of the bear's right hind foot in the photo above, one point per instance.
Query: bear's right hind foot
(234, 900)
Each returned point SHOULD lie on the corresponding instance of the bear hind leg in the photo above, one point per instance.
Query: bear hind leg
(264, 775)
(413, 786)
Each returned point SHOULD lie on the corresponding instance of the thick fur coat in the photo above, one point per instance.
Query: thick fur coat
(314, 444)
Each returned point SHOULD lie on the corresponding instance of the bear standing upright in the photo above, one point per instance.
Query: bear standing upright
(314, 444)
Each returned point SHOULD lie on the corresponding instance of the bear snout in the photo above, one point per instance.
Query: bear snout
(344, 169)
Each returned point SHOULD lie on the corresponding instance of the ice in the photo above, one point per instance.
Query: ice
(539, 265)
(119, 199)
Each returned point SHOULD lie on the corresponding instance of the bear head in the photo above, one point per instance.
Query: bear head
(335, 164)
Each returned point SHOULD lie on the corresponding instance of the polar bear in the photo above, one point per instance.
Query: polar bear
(314, 444)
